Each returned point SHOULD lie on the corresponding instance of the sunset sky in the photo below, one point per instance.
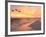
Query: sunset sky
(25, 11)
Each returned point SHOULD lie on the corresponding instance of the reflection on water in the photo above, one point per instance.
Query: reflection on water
(25, 24)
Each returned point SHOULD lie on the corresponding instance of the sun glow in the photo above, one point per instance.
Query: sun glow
(26, 12)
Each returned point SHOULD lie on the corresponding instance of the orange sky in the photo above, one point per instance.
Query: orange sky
(26, 11)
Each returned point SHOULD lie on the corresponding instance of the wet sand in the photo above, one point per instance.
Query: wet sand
(25, 24)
